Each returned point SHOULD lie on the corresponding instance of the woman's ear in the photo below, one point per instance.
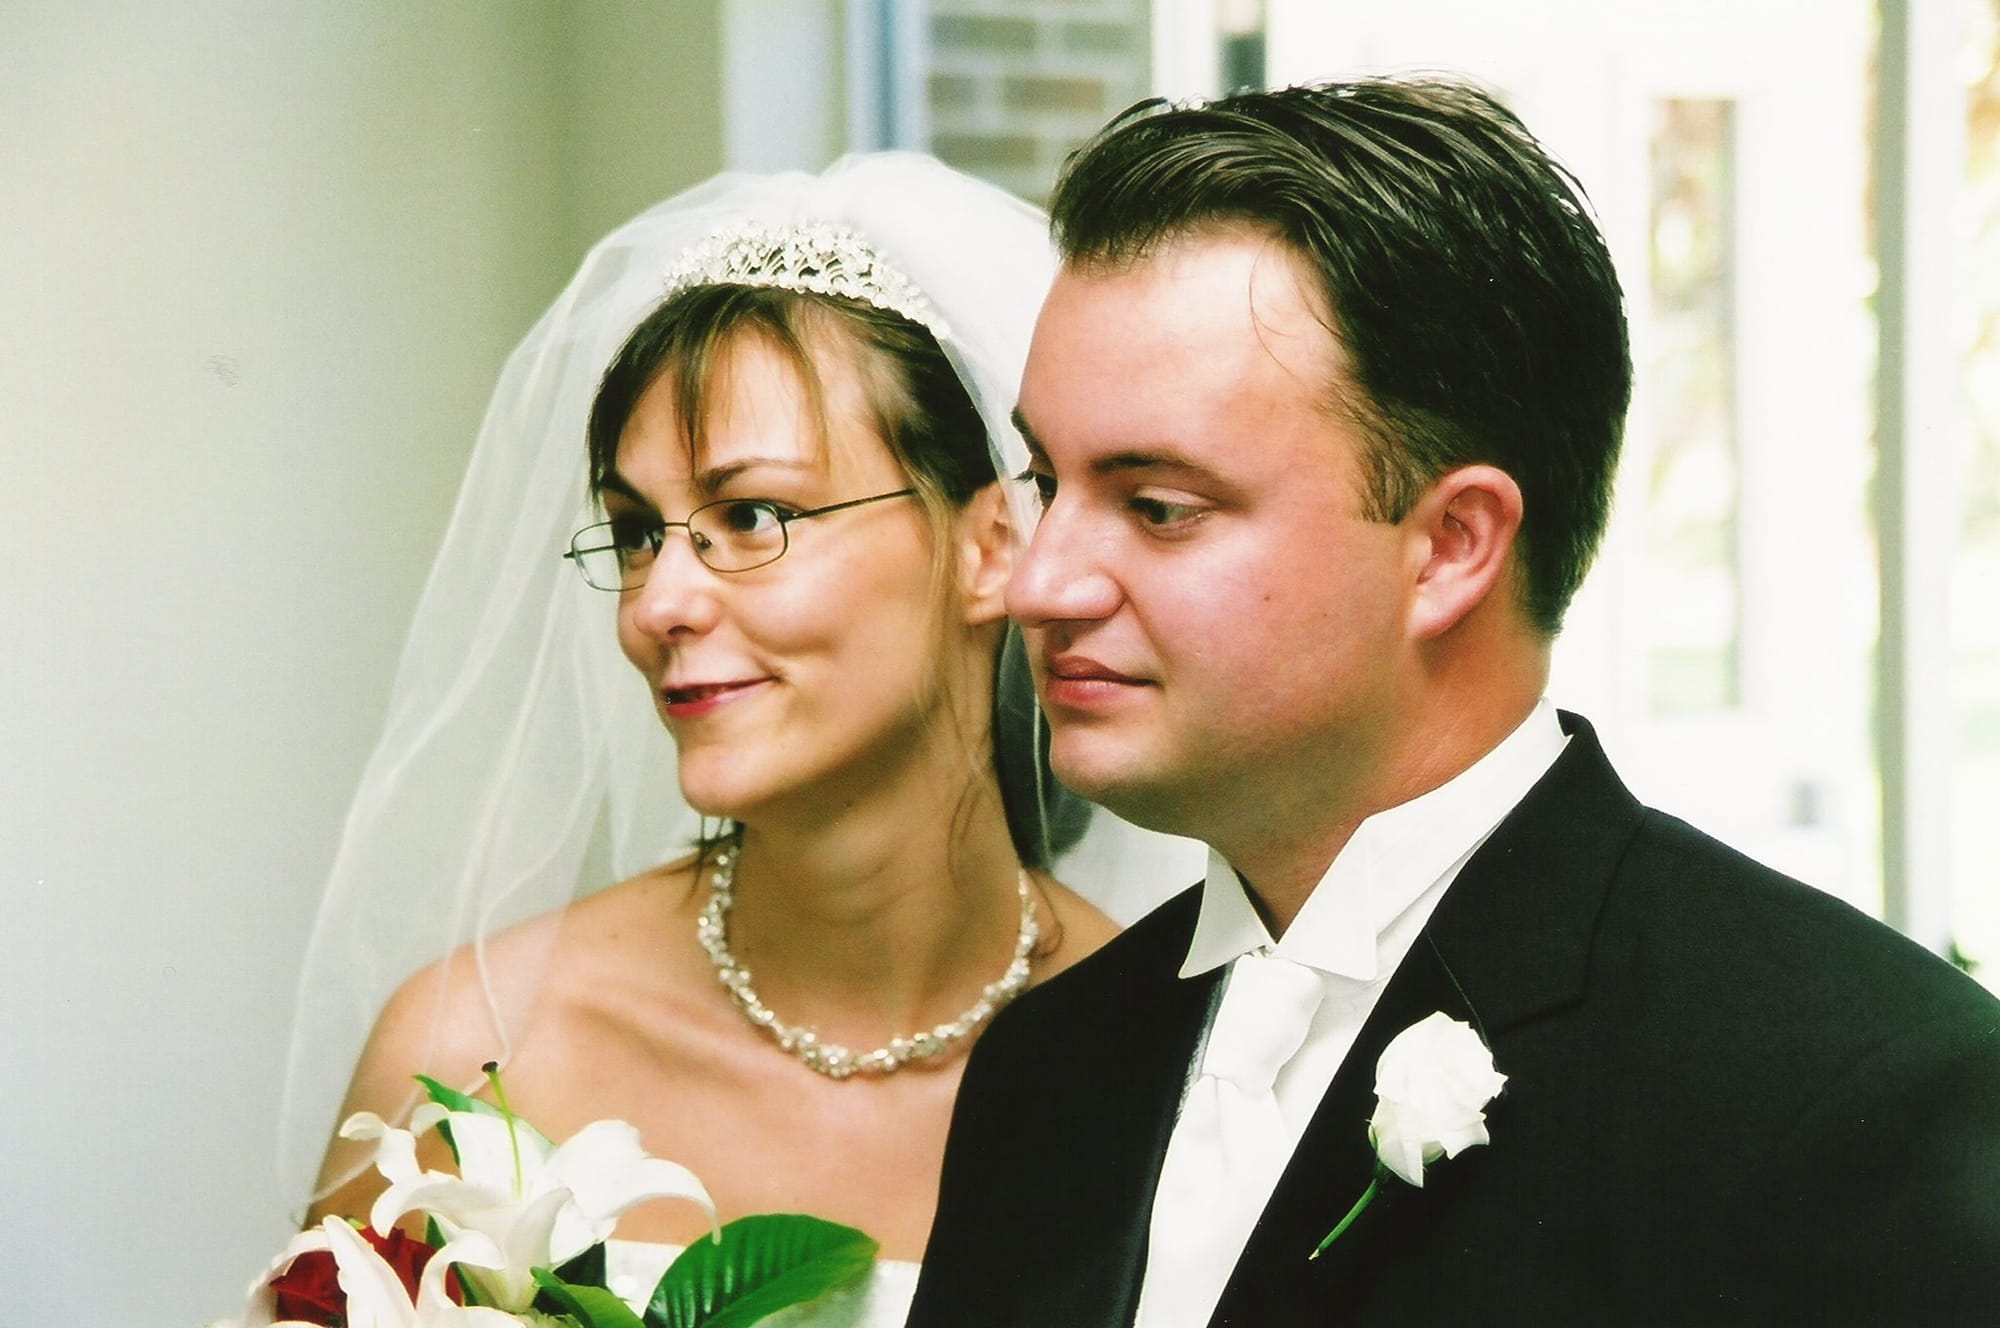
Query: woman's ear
(1463, 531)
(986, 555)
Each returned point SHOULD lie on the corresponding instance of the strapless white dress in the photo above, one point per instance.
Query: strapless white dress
(880, 1300)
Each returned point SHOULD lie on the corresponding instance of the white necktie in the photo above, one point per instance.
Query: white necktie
(1230, 1143)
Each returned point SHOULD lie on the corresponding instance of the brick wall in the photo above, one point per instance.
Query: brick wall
(1016, 84)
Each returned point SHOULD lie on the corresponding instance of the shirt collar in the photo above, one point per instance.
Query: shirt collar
(1392, 859)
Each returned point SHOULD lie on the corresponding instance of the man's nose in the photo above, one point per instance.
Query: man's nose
(1067, 572)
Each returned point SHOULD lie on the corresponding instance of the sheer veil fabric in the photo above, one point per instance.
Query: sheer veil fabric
(521, 763)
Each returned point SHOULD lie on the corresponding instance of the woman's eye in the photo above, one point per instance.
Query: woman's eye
(748, 517)
(633, 537)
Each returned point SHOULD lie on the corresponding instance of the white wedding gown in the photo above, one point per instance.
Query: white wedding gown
(879, 1300)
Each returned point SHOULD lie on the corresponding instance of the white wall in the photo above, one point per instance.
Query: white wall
(258, 266)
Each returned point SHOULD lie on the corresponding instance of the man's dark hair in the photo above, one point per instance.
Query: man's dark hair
(1471, 293)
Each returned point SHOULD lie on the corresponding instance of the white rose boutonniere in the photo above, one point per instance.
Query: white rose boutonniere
(1432, 1086)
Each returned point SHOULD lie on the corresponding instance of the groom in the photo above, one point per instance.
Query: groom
(1324, 408)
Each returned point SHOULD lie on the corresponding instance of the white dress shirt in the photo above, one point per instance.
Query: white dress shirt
(1355, 928)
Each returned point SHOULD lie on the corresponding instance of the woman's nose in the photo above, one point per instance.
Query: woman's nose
(677, 598)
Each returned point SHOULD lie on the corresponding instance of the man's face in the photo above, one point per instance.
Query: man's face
(1217, 633)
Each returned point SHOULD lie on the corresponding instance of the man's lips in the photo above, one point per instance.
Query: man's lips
(1083, 669)
(1077, 684)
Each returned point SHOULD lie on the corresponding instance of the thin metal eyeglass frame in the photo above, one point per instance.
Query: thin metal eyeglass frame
(784, 519)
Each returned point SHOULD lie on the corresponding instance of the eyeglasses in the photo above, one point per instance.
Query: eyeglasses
(729, 535)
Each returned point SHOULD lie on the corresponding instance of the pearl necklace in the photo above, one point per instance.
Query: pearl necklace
(830, 1058)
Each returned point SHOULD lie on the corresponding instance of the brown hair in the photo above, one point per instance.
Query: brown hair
(925, 416)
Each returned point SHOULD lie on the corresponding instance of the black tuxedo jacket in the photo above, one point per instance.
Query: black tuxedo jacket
(1730, 1098)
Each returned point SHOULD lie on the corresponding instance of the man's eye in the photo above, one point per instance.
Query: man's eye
(1164, 512)
(1045, 484)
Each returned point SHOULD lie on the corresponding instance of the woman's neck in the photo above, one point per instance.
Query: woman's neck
(883, 917)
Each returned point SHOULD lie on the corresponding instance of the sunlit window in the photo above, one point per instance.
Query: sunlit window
(1975, 575)
(1691, 513)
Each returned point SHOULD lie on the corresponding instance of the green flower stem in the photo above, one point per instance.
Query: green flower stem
(492, 1071)
(1367, 1197)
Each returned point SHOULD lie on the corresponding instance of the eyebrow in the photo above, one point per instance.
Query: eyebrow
(1035, 449)
(1127, 459)
(613, 482)
(709, 481)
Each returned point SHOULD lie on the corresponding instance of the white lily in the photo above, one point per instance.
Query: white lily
(537, 1205)
(375, 1294)
(259, 1302)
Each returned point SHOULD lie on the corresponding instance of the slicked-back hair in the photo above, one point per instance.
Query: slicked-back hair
(1473, 299)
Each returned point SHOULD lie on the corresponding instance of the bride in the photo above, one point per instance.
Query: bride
(798, 530)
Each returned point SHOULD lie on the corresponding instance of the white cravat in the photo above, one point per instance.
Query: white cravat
(1230, 1143)
(1350, 937)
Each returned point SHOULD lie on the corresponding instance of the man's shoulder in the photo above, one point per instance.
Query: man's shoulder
(1095, 997)
(1150, 950)
(1683, 909)
(1681, 887)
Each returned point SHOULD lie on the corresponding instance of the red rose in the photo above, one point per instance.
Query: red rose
(309, 1290)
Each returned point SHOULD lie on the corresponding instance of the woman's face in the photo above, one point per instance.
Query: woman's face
(783, 684)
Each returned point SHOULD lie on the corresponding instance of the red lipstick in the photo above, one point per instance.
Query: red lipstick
(691, 700)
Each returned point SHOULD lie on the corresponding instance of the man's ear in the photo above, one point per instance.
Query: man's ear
(985, 555)
(1463, 533)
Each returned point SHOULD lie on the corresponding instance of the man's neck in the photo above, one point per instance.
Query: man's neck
(1281, 863)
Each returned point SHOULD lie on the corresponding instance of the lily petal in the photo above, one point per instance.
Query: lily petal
(468, 1250)
(375, 1294)
(522, 1239)
(259, 1304)
(426, 1115)
(438, 1193)
(607, 1169)
(504, 1155)
(395, 1150)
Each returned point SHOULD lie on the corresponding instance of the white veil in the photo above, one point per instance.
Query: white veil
(521, 763)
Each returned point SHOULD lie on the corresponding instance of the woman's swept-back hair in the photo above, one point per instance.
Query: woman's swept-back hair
(1472, 296)
(920, 409)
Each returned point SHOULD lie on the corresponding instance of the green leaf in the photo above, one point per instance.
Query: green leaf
(452, 1100)
(762, 1264)
(591, 1307)
(585, 1271)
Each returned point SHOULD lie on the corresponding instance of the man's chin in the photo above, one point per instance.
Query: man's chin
(1126, 789)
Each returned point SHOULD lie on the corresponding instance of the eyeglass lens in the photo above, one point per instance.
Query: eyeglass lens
(734, 535)
(730, 535)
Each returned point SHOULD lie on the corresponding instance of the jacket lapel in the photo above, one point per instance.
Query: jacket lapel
(1332, 1168)
(1510, 941)
(1108, 1146)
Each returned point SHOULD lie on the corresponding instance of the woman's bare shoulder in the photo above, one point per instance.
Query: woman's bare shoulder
(461, 1007)
(477, 1005)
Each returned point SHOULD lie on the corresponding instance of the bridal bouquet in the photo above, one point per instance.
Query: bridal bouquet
(517, 1237)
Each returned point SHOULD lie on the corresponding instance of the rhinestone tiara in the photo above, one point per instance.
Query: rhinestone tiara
(818, 257)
